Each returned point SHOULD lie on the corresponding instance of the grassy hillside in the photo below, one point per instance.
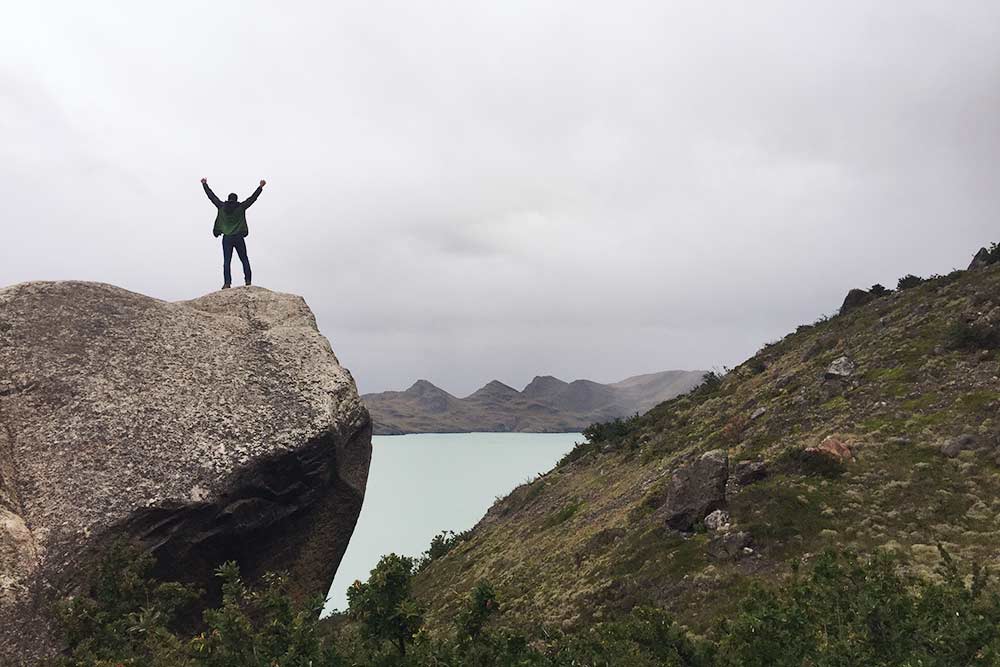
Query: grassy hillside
(589, 540)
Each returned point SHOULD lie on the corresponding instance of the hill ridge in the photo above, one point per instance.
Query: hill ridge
(878, 429)
(546, 404)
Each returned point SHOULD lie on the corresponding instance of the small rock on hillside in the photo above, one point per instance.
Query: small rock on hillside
(841, 369)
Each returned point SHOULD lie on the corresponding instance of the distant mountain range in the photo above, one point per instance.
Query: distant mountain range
(546, 405)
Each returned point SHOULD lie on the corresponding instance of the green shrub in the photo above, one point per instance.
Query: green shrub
(482, 607)
(710, 383)
(261, 626)
(127, 618)
(383, 607)
(611, 431)
(909, 281)
(963, 335)
(878, 290)
(854, 611)
(440, 545)
(645, 638)
(845, 610)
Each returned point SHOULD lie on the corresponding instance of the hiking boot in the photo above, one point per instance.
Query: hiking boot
(226, 286)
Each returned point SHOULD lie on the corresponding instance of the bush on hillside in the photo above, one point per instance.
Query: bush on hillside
(440, 545)
(647, 637)
(963, 335)
(261, 626)
(482, 607)
(710, 383)
(383, 607)
(611, 431)
(853, 611)
(909, 281)
(127, 618)
(598, 434)
(842, 610)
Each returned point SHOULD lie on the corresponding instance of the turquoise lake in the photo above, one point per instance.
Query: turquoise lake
(424, 483)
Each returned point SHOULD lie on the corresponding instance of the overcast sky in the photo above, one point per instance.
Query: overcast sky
(474, 190)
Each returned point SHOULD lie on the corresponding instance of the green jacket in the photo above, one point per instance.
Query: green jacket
(231, 220)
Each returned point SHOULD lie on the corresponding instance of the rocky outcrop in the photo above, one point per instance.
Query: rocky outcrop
(855, 299)
(696, 490)
(981, 260)
(207, 430)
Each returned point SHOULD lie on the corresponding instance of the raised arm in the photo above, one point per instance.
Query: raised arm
(256, 193)
(211, 195)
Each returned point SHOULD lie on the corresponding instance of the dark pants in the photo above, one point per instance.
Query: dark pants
(228, 244)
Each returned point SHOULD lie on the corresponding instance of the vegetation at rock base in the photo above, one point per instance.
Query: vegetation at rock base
(841, 610)
(129, 618)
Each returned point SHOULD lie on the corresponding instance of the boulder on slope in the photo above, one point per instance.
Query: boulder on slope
(855, 299)
(696, 490)
(222, 428)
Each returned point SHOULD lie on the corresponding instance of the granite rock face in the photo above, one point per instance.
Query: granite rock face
(207, 430)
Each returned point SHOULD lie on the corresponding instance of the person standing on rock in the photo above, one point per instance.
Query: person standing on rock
(231, 224)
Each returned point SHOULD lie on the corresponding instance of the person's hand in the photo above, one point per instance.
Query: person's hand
(204, 181)
(263, 182)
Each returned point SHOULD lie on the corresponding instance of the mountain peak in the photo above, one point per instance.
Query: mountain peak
(496, 390)
(424, 388)
(544, 386)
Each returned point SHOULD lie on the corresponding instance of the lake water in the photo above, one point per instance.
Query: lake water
(424, 483)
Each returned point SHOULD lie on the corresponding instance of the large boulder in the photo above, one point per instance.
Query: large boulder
(981, 260)
(222, 428)
(696, 490)
(855, 299)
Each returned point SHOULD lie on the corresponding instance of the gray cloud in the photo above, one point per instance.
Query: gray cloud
(473, 190)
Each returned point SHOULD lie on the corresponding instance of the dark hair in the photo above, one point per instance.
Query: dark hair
(232, 196)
